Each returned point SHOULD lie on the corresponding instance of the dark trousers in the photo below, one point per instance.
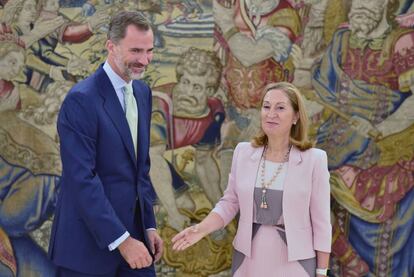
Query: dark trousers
(122, 271)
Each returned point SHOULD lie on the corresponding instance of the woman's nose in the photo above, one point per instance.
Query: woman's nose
(272, 113)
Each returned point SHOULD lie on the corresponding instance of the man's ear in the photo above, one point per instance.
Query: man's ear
(109, 46)
(210, 91)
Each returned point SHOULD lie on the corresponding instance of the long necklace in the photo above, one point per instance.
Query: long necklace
(266, 185)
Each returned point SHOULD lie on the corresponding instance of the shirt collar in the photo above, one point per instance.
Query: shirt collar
(116, 81)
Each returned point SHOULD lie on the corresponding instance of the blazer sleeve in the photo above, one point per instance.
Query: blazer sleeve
(77, 127)
(149, 194)
(320, 205)
(228, 206)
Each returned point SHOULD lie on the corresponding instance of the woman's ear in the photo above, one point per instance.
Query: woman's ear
(295, 118)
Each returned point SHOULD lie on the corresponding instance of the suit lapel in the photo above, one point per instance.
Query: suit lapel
(115, 112)
(141, 117)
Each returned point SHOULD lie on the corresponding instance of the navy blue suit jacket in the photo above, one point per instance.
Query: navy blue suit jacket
(105, 190)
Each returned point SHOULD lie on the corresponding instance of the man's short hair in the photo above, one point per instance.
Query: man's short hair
(120, 22)
(200, 62)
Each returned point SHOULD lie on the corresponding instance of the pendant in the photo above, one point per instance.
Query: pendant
(263, 204)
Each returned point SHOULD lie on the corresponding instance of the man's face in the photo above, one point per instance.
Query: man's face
(190, 95)
(366, 15)
(28, 13)
(131, 55)
(51, 6)
(11, 65)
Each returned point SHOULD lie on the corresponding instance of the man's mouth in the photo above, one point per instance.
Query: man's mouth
(136, 67)
(187, 100)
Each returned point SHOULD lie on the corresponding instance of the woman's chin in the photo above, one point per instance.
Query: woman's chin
(275, 132)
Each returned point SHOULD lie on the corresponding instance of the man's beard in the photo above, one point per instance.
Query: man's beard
(132, 75)
(126, 70)
(364, 21)
(177, 104)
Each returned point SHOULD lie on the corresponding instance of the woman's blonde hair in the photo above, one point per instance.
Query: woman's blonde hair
(298, 131)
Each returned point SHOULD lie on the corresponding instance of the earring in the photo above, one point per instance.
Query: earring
(294, 123)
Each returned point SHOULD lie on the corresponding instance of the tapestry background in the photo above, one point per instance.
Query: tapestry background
(354, 63)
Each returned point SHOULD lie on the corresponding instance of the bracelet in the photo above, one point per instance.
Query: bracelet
(322, 271)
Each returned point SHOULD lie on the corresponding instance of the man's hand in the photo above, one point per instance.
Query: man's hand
(41, 29)
(223, 17)
(44, 27)
(156, 244)
(364, 127)
(135, 253)
(77, 66)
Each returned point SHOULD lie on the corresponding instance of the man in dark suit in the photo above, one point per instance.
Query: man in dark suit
(104, 223)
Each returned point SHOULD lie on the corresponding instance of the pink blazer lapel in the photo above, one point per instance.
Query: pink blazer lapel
(290, 182)
(246, 178)
(295, 158)
(246, 182)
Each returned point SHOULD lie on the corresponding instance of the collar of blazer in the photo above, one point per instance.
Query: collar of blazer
(295, 155)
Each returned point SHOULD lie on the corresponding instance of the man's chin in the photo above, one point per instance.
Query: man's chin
(136, 76)
(190, 112)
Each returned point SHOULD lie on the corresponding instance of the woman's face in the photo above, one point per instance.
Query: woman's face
(28, 13)
(11, 65)
(277, 114)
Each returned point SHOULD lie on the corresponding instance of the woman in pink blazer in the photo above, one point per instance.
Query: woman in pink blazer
(280, 186)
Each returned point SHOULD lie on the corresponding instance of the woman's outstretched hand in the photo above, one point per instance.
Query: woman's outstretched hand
(187, 237)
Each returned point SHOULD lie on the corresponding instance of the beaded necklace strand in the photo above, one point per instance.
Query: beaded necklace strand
(266, 185)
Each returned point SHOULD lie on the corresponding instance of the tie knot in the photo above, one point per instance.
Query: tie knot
(128, 89)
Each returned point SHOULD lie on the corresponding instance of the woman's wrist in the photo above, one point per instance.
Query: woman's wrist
(199, 229)
(322, 271)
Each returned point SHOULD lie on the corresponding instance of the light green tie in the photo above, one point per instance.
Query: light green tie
(131, 112)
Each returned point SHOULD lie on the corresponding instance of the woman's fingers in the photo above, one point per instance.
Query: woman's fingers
(180, 235)
(178, 245)
(183, 241)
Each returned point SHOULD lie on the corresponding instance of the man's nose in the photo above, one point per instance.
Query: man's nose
(144, 59)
